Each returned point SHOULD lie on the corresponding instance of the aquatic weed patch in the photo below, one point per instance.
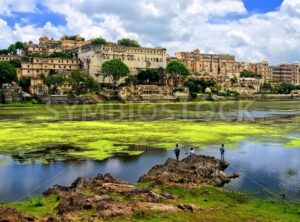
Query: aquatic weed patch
(100, 139)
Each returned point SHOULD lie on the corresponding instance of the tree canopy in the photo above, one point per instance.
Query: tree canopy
(247, 74)
(81, 82)
(13, 48)
(4, 52)
(54, 82)
(128, 42)
(72, 37)
(25, 83)
(19, 45)
(8, 73)
(149, 76)
(115, 69)
(284, 88)
(266, 87)
(16, 63)
(63, 55)
(177, 70)
(99, 41)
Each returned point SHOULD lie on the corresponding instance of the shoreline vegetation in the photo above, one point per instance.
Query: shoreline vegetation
(155, 198)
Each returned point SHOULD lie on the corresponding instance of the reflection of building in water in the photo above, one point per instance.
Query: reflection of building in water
(136, 58)
(153, 93)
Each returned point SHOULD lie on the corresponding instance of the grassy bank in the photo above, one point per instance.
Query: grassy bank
(215, 205)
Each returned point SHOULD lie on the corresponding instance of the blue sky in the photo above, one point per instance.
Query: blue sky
(253, 30)
(262, 6)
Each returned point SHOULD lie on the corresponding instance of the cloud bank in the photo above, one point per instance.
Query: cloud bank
(218, 26)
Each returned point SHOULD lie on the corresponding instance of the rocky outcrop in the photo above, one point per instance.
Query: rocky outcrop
(190, 172)
(12, 215)
(107, 197)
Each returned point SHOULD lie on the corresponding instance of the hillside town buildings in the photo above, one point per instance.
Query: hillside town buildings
(261, 70)
(220, 66)
(136, 58)
(7, 58)
(37, 68)
(48, 46)
(289, 73)
(38, 61)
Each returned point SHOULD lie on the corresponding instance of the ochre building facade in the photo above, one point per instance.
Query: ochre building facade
(136, 58)
(37, 68)
(220, 66)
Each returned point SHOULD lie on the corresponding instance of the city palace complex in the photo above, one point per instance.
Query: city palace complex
(42, 59)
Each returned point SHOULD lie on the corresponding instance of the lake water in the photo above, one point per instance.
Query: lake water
(266, 169)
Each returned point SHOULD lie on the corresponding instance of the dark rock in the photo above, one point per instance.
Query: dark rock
(195, 169)
(234, 176)
(188, 207)
(12, 215)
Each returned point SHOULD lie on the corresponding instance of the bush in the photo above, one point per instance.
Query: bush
(194, 95)
(247, 74)
(128, 42)
(99, 41)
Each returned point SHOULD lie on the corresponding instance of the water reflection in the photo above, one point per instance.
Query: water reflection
(263, 166)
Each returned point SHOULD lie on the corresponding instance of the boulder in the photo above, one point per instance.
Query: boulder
(12, 215)
(191, 171)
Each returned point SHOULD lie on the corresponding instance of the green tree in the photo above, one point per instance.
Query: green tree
(234, 80)
(266, 87)
(16, 63)
(81, 82)
(4, 52)
(247, 74)
(193, 88)
(99, 41)
(54, 82)
(128, 42)
(25, 83)
(8, 73)
(63, 55)
(177, 70)
(115, 69)
(72, 37)
(19, 45)
(12, 49)
(284, 88)
(149, 76)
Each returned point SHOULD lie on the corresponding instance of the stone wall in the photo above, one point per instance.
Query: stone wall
(10, 93)
(152, 93)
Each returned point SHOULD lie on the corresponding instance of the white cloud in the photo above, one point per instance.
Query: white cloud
(176, 25)
(9, 6)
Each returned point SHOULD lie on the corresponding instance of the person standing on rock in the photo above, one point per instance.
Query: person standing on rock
(191, 152)
(222, 150)
(177, 152)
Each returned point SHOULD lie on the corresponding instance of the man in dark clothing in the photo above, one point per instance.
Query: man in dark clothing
(222, 150)
(177, 152)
